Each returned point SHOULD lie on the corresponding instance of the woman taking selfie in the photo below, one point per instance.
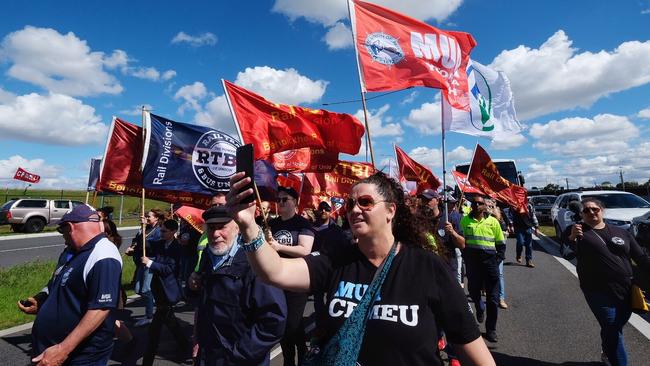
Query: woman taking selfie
(409, 289)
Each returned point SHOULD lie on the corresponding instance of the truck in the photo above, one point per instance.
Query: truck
(30, 215)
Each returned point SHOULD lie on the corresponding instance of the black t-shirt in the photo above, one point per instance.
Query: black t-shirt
(418, 296)
(287, 232)
(604, 259)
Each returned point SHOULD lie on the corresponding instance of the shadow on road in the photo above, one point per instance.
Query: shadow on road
(507, 360)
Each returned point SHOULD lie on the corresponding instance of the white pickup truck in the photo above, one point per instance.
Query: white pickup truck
(30, 215)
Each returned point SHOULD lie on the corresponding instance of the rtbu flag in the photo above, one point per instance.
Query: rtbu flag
(492, 107)
(93, 174)
(398, 52)
(411, 170)
(484, 175)
(273, 128)
(188, 158)
(25, 176)
(120, 169)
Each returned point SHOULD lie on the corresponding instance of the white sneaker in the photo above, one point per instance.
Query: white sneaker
(142, 322)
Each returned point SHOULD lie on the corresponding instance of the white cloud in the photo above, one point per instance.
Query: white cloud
(6, 97)
(379, 123)
(338, 37)
(409, 98)
(427, 156)
(507, 141)
(328, 12)
(216, 114)
(460, 154)
(281, 86)
(645, 11)
(168, 75)
(59, 63)
(118, 59)
(191, 95)
(426, 119)
(9, 166)
(644, 113)
(150, 73)
(203, 39)
(51, 119)
(555, 77)
(135, 110)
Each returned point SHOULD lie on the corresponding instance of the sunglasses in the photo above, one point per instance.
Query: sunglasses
(365, 203)
(591, 209)
(478, 203)
(283, 199)
(62, 228)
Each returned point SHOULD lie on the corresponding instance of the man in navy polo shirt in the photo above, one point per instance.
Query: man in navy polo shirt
(74, 325)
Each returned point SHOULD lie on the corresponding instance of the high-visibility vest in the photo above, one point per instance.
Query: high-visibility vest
(482, 234)
(203, 242)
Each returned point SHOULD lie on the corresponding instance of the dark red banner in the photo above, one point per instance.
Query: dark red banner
(306, 160)
(25, 176)
(319, 187)
(120, 171)
(398, 52)
(192, 215)
(411, 170)
(273, 128)
(484, 175)
(463, 184)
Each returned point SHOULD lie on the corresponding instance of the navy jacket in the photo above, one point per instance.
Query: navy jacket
(240, 318)
(165, 268)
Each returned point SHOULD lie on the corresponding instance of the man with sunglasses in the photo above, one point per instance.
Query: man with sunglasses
(293, 237)
(74, 324)
(484, 250)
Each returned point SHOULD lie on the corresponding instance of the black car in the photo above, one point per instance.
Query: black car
(542, 205)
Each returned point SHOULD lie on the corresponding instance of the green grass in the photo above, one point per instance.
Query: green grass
(548, 231)
(22, 281)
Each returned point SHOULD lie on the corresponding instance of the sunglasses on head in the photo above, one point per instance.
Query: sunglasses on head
(591, 209)
(284, 199)
(365, 203)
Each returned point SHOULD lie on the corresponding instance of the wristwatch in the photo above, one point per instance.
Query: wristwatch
(254, 244)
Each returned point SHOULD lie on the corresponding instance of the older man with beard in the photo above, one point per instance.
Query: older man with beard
(240, 318)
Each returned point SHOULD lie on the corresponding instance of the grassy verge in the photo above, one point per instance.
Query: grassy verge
(548, 231)
(20, 282)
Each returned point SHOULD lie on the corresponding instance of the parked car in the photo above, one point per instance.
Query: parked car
(640, 228)
(620, 208)
(30, 215)
(542, 205)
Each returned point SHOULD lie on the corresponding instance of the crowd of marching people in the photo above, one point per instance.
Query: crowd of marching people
(386, 274)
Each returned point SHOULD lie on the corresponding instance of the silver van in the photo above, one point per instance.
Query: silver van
(30, 215)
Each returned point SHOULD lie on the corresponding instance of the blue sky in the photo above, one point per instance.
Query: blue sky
(580, 72)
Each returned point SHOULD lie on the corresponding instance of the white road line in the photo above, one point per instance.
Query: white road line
(551, 248)
(41, 247)
(276, 352)
(44, 235)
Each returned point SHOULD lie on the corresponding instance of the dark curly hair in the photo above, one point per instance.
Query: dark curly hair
(407, 228)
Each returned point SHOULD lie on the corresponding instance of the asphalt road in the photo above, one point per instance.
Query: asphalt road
(548, 323)
(47, 246)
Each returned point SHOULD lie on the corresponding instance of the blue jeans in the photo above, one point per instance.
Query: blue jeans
(502, 282)
(142, 286)
(525, 239)
(612, 314)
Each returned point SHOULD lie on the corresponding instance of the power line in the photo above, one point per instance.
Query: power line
(359, 100)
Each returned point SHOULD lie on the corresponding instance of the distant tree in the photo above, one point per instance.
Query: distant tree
(551, 187)
(606, 184)
(628, 185)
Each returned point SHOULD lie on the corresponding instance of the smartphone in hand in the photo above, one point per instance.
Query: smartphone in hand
(26, 303)
(245, 164)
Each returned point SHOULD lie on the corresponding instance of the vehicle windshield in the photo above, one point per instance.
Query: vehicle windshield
(620, 200)
(541, 201)
(7, 205)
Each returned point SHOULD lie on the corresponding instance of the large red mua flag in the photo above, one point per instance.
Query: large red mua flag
(463, 184)
(120, 170)
(398, 52)
(319, 187)
(25, 176)
(273, 128)
(484, 175)
(411, 170)
(305, 160)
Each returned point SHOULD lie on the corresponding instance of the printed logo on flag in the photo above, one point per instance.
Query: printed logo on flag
(480, 100)
(384, 48)
(214, 159)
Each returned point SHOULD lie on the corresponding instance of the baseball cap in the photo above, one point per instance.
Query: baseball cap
(290, 191)
(429, 194)
(80, 213)
(216, 215)
(324, 206)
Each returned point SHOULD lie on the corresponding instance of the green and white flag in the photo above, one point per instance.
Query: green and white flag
(491, 105)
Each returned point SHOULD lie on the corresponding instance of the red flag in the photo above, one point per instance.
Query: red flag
(305, 160)
(290, 181)
(319, 187)
(273, 128)
(398, 52)
(25, 176)
(120, 170)
(192, 215)
(484, 175)
(411, 170)
(463, 184)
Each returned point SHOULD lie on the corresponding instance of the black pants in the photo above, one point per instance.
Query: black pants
(483, 271)
(164, 315)
(294, 334)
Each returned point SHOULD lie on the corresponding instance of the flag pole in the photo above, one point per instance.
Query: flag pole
(241, 139)
(143, 226)
(361, 84)
(444, 160)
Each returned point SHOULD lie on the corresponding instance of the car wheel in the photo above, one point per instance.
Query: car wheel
(34, 225)
(16, 228)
